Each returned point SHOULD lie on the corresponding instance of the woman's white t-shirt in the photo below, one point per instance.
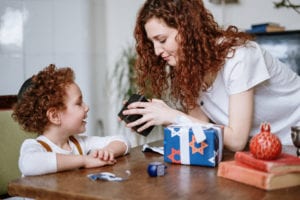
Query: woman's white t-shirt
(277, 91)
(35, 160)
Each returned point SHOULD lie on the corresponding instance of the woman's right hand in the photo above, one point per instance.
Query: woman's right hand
(155, 112)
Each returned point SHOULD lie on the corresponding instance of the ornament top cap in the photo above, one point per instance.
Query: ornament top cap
(265, 127)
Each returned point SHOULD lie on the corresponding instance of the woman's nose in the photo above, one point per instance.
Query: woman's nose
(158, 50)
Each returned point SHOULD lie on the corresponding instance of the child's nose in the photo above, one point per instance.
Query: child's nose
(86, 107)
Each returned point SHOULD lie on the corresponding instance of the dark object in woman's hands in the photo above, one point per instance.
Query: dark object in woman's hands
(131, 118)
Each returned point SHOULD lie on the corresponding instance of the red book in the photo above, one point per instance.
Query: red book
(285, 163)
(268, 181)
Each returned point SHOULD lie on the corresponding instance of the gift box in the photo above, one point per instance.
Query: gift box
(193, 144)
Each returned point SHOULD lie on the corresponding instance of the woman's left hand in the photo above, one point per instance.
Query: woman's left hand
(155, 112)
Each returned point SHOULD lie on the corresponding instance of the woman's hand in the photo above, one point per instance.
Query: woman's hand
(155, 112)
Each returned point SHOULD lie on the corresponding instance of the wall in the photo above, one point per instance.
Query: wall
(90, 35)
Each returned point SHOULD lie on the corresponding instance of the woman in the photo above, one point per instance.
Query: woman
(213, 74)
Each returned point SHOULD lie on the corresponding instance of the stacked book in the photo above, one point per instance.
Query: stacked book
(268, 175)
(266, 27)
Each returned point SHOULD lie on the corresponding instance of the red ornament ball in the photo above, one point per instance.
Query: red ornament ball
(265, 145)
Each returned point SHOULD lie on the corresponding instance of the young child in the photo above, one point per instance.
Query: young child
(51, 104)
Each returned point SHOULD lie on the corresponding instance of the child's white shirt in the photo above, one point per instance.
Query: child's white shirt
(35, 160)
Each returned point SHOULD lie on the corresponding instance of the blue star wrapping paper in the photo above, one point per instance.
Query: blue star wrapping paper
(191, 144)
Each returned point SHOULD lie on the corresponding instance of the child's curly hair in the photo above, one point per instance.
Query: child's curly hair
(42, 91)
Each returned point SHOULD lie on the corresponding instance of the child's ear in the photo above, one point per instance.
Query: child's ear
(53, 116)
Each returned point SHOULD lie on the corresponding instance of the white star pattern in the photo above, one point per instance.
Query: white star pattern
(213, 159)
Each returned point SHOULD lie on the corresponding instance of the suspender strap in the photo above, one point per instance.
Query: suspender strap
(73, 139)
(45, 145)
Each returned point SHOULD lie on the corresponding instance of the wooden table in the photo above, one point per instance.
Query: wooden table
(180, 182)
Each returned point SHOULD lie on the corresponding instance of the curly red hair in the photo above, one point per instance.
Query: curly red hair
(42, 91)
(202, 50)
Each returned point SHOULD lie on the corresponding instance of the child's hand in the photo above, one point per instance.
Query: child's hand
(103, 154)
(91, 161)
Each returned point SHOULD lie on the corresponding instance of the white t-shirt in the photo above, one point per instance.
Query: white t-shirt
(276, 97)
(35, 160)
